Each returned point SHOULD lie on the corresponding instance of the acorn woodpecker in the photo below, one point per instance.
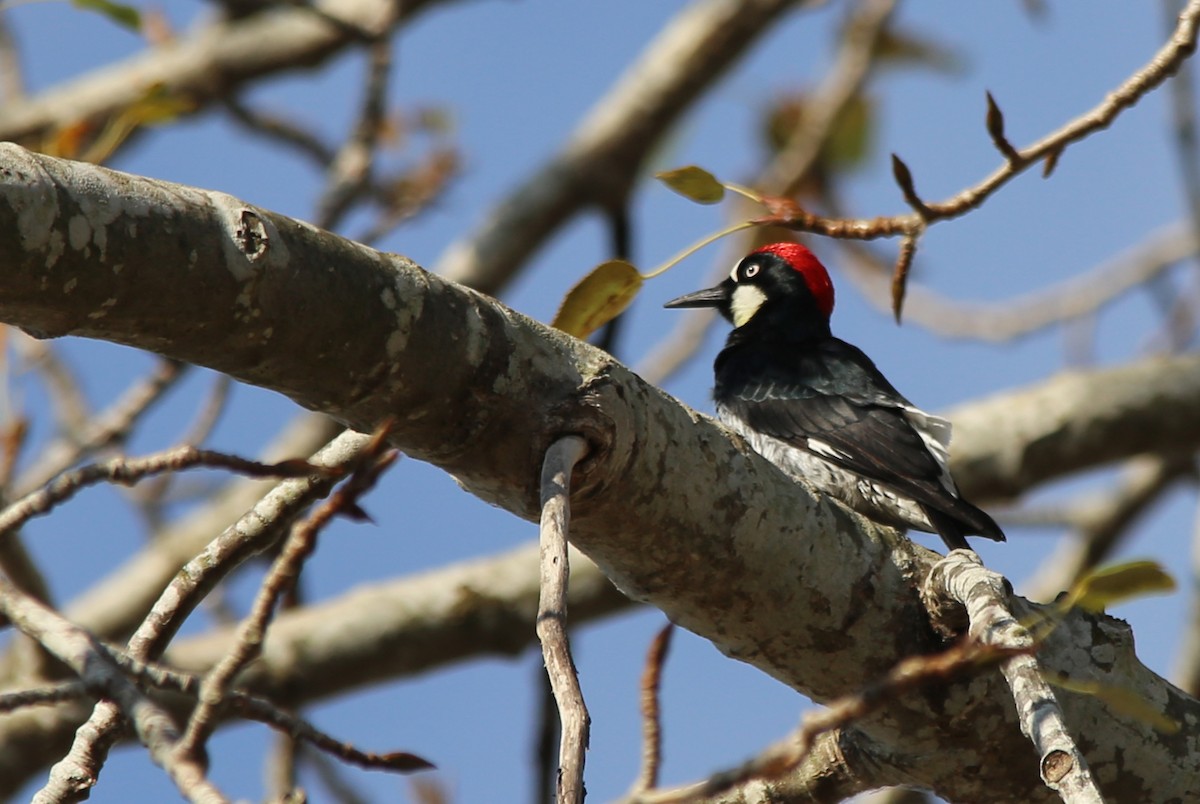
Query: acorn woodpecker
(819, 409)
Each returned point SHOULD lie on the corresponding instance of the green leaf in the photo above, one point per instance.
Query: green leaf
(850, 141)
(694, 183)
(124, 15)
(1119, 699)
(898, 47)
(598, 298)
(1100, 588)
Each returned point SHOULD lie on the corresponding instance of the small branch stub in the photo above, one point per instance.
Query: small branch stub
(560, 460)
(904, 261)
(651, 713)
(905, 180)
(995, 127)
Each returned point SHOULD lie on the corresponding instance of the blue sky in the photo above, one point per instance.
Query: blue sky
(517, 76)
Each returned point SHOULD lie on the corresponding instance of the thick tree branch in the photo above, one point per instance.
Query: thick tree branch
(210, 64)
(798, 587)
(1077, 420)
(600, 162)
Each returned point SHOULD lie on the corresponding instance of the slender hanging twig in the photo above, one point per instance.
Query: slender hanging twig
(560, 459)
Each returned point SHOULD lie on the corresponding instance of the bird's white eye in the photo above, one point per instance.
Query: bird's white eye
(750, 270)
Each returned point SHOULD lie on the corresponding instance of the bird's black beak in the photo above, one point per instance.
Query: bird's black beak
(713, 297)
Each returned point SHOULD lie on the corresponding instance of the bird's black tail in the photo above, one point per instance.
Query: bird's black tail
(963, 520)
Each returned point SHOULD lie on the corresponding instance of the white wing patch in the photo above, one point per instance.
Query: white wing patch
(745, 303)
(935, 433)
(819, 447)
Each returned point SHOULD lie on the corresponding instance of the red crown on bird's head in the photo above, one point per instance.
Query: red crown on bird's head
(808, 266)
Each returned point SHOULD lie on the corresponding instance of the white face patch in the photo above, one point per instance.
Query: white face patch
(744, 303)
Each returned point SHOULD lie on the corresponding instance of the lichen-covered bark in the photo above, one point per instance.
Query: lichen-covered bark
(671, 509)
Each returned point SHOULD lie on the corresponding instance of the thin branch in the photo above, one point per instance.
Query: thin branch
(67, 401)
(651, 715)
(788, 755)
(560, 460)
(252, 533)
(1182, 311)
(111, 426)
(282, 576)
(1164, 63)
(131, 470)
(350, 172)
(279, 128)
(42, 696)
(264, 711)
(90, 661)
(605, 153)
(961, 577)
(209, 65)
(843, 82)
(152, 495)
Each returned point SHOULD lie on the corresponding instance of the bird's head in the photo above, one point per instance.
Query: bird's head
(782, 279)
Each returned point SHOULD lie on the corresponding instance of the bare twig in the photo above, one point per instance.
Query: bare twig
(350, 172)
(282, 129)
(1164, 63)
(961, 577)
(843, 83)
(281, 577)
(80, 438)
(606, 151)
(208, 65)
(788, 755)
(263, 711)
(130, 470)
(560, 460)
(111, 426)
(254, 532)
(651, 723)
(90, 661)
(904, 261)
(67, 402)
(152, 495)
(1181, 310)
(57, 693)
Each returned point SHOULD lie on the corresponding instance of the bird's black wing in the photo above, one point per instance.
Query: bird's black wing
(834, 403)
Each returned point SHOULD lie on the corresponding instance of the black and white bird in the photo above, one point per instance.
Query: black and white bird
(819, 409)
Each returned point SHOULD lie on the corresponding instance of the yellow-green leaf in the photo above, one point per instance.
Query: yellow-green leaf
(120, 13)
(1119, 699)
(1107, 585)
(849, 144)
(598, 298)
(694, 183)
